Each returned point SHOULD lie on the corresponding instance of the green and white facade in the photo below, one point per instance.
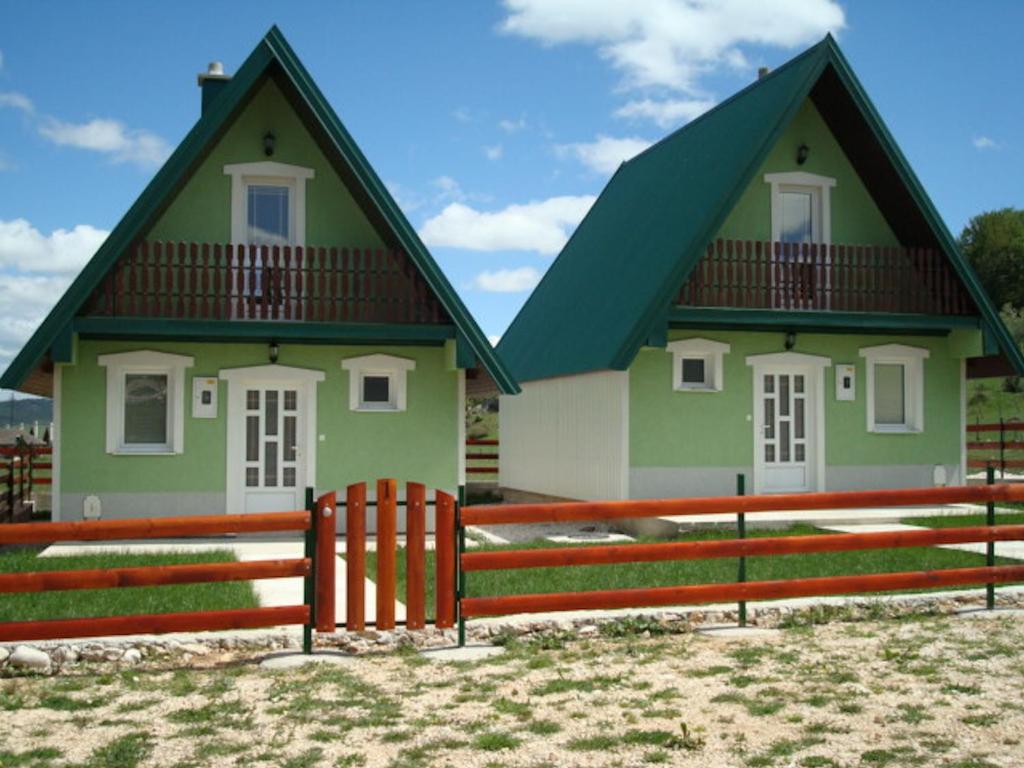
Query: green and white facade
(653, 367)
(185, 382)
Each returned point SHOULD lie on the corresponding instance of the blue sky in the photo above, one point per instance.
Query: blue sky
(493, 123)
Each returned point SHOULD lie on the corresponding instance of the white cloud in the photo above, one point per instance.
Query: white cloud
(462, 115)
(109, 137)
(25, 248)
(495, 152)
(984, 142)
(605, 153)
(666, 113)
(508, 280)
(542, 226)
(407, 199)
(672, 43)
(17, 101)
(513, 126)
(449, 188)
(24, 302)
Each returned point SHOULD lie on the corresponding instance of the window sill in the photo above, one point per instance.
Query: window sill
(896, 431)
(372, 409)
(696, 389)
(145, 452)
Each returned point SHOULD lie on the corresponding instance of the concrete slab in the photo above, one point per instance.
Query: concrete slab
(472, 652)
(293, 660)
(996, 613)
(822, 517)
(732, 632)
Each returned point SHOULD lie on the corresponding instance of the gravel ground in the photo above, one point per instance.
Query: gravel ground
(923, 690)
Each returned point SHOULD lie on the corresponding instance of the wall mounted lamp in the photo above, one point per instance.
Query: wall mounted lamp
(273, 351)
(801, 154)
(269, 142)
(790, 341)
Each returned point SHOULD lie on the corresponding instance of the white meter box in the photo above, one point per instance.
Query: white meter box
(846, 383)
(204, 398)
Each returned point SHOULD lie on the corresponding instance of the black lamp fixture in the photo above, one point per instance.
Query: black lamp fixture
(790, 341)
(273, 351)
(269, 140)
(801, 154)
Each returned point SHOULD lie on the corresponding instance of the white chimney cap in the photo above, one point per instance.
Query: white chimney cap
(215, 68)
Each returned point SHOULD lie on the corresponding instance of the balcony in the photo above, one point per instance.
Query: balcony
(213, 281)
(746, 274)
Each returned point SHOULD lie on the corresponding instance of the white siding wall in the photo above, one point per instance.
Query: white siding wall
(568, 436)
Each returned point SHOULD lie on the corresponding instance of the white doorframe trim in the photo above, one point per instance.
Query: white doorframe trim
(237, 379)
(814, 367)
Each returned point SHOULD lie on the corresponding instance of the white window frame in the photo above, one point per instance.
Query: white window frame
(800, 181)
(395, 368)
(912, 359)
(711, 352)
(243, 175)
(119, 365)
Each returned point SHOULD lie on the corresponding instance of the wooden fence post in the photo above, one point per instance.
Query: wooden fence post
(415, 555)
(387, 525)
(444, 548)
(308, 583)
(355, 557)
(325, 524)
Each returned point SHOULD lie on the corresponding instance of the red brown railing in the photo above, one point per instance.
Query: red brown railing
(482, 458)
(238, 282)
(23, 470)
(747, 274)
(982, 452)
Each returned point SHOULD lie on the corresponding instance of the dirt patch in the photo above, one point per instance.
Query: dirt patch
(921, 690)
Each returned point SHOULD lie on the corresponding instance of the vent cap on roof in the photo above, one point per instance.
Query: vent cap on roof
(212, 82)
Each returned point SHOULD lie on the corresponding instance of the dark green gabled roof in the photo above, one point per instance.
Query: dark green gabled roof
(272, 51)
(611, 287)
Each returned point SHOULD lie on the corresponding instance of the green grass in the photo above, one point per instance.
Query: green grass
(113, 602)
(964, 521)
(635, 575)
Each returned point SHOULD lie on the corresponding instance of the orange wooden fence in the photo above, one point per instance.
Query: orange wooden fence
(742, 590)
(386, 576)
(482, 457)
(990, 444)
(317, 568)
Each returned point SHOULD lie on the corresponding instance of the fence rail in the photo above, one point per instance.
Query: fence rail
(741, 590)
(800, 276)
(982, 453)
(316, 568)
(24, 469)
(482, 457)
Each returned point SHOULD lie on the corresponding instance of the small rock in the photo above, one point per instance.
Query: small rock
(112, 654)
(4, 653)
(131, 656)
(589, 629)
(196, 649)
(26, 657)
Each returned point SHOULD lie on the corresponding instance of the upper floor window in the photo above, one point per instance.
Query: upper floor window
(268, 203)
(268, 214)
(801, 207)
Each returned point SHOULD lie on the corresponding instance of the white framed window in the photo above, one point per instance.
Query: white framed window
(801, 207)
(697, 364)
(145, 402)
(268, 203)
(377, 382)
(895, 388)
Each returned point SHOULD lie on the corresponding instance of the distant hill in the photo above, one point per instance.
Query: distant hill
(26, 410)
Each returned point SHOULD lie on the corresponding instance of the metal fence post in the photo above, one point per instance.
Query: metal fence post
(741, 532)
(1002, 448)
(460, 578)
(309, 590)
(990, 547)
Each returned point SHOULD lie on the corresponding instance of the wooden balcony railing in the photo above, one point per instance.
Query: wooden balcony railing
(239, 282)
(749, 274)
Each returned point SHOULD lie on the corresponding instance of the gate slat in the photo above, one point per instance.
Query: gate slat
(415, 555)
(444, 572)
(387, 524)
(355, 557)
(325, 526)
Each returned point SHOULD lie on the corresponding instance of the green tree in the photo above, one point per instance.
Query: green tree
(993, 242)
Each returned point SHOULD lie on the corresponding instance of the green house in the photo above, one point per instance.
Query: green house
(768, 291)
(263, 319)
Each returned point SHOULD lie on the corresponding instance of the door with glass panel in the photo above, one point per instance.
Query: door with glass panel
(273, 469)
(784, 440)
(796, 281)
(269, 221)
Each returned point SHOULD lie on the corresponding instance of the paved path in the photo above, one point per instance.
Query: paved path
(271, 592)
(1010, 549)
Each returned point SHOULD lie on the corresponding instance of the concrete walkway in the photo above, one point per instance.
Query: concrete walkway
(1009, 549)
(271, 592)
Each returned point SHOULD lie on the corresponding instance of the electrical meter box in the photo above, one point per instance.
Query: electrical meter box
(204, 398)
(845, 382)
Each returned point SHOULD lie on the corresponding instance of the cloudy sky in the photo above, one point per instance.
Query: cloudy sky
(495, 124)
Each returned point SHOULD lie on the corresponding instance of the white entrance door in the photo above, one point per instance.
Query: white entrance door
(785, 435)
(275, 428)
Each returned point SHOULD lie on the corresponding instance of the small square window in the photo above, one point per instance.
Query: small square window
(376, 390)
(890, 395)
(694, 371)
(145, 409)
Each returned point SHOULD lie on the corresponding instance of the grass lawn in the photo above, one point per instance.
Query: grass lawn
(964, 521)
(631, 575)
(112, 602)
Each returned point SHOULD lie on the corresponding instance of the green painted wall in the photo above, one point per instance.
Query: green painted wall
(201, 212)
(856, 219)
(418, 444)
(710, 429)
